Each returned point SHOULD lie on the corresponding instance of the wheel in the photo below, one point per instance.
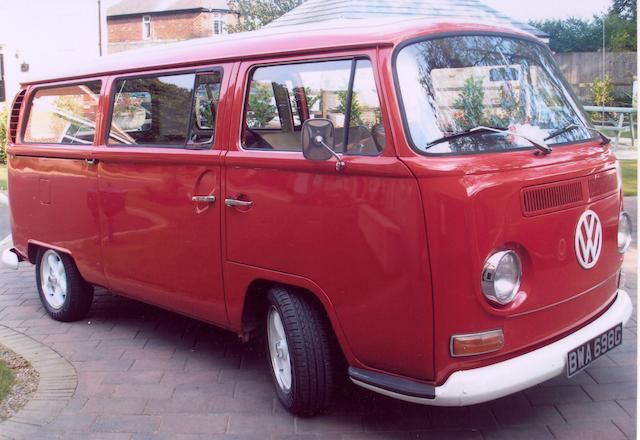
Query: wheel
(64, 294)
(299, 348)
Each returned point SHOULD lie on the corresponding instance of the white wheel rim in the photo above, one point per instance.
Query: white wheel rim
(279, 350)
(53, 279)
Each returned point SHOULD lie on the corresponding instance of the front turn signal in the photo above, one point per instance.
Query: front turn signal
(476, 343)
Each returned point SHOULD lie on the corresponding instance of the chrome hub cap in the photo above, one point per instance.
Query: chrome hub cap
(53, 279)
(279, 350)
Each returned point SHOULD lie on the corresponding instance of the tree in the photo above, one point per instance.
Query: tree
(626, 9)
(576, 35)
(356, 108)
(470, 104)
(572, 34)
(258, 13)
(260, 103)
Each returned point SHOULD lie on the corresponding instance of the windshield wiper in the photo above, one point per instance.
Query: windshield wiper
(604, 140)
(540, 145)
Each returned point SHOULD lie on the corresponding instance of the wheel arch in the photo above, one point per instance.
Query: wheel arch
(34, 246)
(246, 289)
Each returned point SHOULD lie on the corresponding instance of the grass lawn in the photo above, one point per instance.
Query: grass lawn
(6, 380)
(3, 177)
(623, 135)
(629, 177)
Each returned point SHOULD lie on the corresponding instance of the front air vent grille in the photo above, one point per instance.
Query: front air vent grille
(603, 184)
(552, 197)
(14, 117)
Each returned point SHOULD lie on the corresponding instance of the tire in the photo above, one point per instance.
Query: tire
(64, 294)
(305, 352)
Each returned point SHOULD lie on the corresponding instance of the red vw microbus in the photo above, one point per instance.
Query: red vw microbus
(425, 204)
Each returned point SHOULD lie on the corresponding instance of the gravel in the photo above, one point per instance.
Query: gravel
(25, 385)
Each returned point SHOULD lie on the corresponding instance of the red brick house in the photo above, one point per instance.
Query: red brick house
(132, 24)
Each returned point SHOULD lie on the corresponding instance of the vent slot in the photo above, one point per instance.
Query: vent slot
(14, 118)
(552, 197)
(603, 184)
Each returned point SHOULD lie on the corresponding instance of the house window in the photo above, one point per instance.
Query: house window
(146, 27)
(218, 24)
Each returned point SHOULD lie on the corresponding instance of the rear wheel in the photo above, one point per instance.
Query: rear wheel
(299, 352)
(63, 292)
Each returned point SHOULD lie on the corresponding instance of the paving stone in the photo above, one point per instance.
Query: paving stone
(337, 423)
(102, 405)
(591, 411)
(612, 391)
(555, 395)
(521, 415)
(587, 431)
(150, 391)
(178, 405)
(520, 433)
(131, 378)
(628, 427)
(194, 424)
(126, 423)
(629, 405)
(438, 434)
(266, 424)
(613, 374)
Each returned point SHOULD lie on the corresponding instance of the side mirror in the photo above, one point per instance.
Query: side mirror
(318, 140)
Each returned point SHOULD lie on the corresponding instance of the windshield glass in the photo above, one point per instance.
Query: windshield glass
(453, 84)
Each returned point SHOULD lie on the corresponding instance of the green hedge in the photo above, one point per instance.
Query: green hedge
(4, 115)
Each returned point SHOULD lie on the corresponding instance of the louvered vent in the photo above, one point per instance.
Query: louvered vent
(552, 197)
(602, 184)
(15, 116)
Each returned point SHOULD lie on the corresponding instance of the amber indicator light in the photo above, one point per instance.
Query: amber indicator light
(477, 343)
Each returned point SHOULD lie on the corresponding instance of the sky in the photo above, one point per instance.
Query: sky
(525, 10)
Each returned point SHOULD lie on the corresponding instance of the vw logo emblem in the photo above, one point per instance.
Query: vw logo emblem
(588, 239)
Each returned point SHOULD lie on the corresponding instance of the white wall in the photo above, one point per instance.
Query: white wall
(49, 35)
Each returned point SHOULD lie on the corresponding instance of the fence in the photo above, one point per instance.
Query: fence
(581, 68)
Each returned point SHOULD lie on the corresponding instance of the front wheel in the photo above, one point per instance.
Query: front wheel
(299, 352)
(64, 294)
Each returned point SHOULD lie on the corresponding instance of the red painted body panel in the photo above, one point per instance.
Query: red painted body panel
(475, 209)
(393, 246)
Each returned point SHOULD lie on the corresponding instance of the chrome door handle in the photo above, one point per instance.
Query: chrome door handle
(91, 161)
(233, 203)
(203, 199)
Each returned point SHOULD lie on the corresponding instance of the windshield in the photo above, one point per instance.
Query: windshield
(453, 84)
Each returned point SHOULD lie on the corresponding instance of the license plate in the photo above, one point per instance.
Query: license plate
(581, 357)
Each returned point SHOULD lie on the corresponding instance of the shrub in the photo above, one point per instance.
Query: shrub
(4, 115)
(602, 91)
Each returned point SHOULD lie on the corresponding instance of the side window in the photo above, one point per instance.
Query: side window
(64, 115)
(169, 110)
(206, 98)
(282, 97)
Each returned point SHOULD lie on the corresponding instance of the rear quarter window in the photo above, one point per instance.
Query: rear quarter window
(63, 115)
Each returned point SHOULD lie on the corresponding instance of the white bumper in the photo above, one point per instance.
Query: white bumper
(8, 258)
(479, 385)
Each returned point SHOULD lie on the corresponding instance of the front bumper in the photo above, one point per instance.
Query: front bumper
(483, 384)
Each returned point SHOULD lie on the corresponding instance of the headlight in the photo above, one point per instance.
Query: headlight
(501, 277)
(624, 232)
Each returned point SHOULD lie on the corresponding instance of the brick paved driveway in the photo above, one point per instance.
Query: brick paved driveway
(144, 373)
